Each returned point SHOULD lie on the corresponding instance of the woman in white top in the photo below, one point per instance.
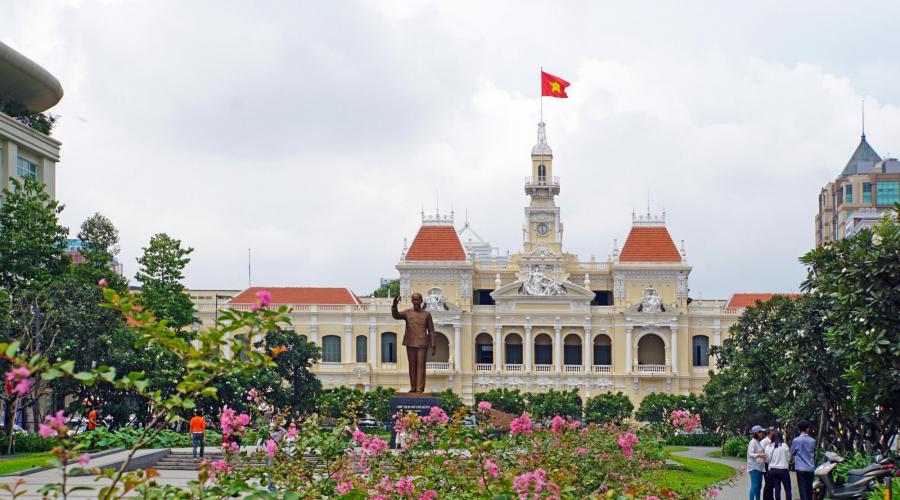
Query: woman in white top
(778, 456)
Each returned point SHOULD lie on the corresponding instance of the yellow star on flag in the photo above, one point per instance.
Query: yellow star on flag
(554, 86)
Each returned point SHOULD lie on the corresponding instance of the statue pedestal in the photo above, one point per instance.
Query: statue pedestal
(419, 403)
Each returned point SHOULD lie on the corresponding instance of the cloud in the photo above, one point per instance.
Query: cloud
(315, 133)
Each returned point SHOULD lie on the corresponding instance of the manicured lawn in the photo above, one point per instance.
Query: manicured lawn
(22, 461)
(697, 475)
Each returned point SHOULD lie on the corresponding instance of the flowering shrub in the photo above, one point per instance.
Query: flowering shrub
(684, 421)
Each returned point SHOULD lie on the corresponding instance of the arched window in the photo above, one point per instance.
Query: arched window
(572, 350)
(362, 347)
(441, 349)
(543, 350)
(701, 350)
(304, 338)
(331, 349)
(484, 349)
(602, 350)
(388, 347)
(542, 174)
(651, 350)
(512, 346)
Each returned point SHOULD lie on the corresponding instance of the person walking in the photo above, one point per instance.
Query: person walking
(92, 419)
(802, 448)
(198, 433)
(778, 455)
(756, 464)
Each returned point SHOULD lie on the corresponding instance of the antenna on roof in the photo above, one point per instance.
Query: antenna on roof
(863, 117)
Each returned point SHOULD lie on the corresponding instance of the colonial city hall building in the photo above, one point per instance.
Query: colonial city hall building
(535, 320)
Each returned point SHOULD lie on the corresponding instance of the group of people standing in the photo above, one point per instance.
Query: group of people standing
(769, 458)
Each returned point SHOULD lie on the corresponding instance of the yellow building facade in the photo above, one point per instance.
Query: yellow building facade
(534, 320)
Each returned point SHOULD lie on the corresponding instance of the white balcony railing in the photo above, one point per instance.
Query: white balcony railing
(512, 367)
(543, 368)
(388, 366)
(651, 368)
(572, 368)
(437, 366)
(484, 367)
(542, 181)
(602, 368)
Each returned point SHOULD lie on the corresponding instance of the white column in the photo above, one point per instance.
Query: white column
(586, 356)
(674, 349)
(373, 338)
(629, 350)
(314, 332)
(457, 347)
(348, 344)
(557, 349)
(498, 356)
(527, 349)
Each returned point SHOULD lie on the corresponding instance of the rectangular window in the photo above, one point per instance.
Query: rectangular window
(25, 168)
(514, 354)
(848, 193)
(887, 193)
(867, 192)
(543, 354)
(572, 355)
(602, 354)
(485, 353)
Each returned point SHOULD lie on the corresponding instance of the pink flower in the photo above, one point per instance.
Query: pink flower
(438, 415)
(19, 375)
(84, 459)
(264, 298)
(491, 468)
(404, 486)
(626, 441)
(292, 431)
(428, 495)
(271, 446)
(344, 487)
(713, 492)
(53, 425)
(521, 425)
(102, 283)
(484, 405)
(46, 431)
(557, 425)
(359, 437)
(537, 483)
(580, 451)
(244, 419)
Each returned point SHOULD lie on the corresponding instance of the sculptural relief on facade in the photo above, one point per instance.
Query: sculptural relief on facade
(651, 302)
(541, 281)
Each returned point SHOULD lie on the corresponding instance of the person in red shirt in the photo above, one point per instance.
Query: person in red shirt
(198, 433)
(92, 420)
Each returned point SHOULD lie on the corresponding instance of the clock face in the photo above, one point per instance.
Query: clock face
(542, 229)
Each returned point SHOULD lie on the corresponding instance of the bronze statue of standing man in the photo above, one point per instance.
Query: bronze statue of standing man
(417, 338)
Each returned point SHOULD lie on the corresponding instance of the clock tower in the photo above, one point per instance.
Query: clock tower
(542, 227)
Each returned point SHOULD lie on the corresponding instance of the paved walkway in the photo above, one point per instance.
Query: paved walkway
(740, 490)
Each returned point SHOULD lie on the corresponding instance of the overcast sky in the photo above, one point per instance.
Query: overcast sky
(314, 133)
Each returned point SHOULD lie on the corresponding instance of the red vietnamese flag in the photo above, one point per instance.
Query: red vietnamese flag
(553, 86)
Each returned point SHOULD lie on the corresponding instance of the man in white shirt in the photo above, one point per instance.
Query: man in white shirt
(768, 484)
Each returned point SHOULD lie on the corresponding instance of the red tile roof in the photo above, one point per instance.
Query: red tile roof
(436, 243)
(750, 299)
(649, 244)
(298, 295)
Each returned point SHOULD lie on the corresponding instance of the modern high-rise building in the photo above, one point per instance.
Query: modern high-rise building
(537, 319)
(25, 151)
(857, 198)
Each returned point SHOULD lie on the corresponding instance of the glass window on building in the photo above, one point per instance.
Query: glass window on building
(389, 347)
(485, 353)
(867, 192)
(701, 350)
(888, 193)
(362, 346)
(513, 354)
(848, 193)
(331, 349)
(25, 168)
(543, 354)
(572, 354)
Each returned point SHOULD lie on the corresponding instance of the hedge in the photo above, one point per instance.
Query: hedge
(695, 440)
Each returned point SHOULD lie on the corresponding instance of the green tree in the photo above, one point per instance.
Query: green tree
(543, 405)
(450, 401)
(341, 402)
(32, 244)
(378, 403)
(391, 289)
(608, 407)
(160, 275)
(298, 387)
(507, 400)
(657, 405)
(859, 280)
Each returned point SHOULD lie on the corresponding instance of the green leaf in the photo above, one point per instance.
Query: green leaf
(12, 349)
